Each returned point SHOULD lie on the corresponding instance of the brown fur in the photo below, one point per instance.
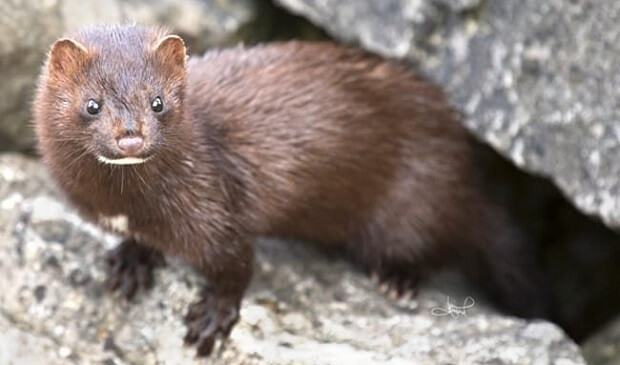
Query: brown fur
(315, 141)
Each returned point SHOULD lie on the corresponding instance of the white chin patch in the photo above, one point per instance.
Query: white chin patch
(122, 161)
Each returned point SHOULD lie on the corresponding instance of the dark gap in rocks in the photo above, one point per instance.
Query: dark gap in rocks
(578, 254)
(274, 23)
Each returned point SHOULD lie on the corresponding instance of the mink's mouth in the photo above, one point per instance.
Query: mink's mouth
(123, 160)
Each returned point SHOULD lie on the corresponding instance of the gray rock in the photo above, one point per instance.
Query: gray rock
(535, 79)
(28, 28)
(16, 347)
(302, 307)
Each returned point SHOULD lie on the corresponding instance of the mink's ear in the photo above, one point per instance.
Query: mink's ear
(67, 57)
(171, 52)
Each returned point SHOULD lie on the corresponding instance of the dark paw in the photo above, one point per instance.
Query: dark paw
(397, 284)
(130, 268)
(212, 317)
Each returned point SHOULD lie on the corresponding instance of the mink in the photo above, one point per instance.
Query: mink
(326, 143)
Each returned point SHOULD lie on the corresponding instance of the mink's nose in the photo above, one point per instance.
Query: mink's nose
(130, 145)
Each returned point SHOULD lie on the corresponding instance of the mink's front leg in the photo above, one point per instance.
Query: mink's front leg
(130, 267)
(228, 269)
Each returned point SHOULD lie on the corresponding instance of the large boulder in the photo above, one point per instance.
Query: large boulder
(28, 28)
(302, 307)
(538, 80)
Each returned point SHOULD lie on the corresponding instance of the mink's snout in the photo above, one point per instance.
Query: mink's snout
(130, 146)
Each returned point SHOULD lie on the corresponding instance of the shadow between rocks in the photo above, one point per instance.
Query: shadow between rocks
(578, 254)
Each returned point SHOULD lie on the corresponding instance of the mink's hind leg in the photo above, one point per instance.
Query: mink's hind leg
(130, 266)
(397, 280)
(396, 264)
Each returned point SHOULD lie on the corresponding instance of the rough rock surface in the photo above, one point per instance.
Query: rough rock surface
(302, 307)
(28, 27)
(536, 79)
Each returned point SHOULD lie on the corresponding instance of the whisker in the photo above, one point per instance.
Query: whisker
(72, 160)
(122, 179)
(146, 187)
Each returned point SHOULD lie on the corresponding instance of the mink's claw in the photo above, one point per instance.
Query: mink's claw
(397, 284)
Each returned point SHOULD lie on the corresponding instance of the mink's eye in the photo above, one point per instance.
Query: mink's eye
(92, 107)
(157, 105)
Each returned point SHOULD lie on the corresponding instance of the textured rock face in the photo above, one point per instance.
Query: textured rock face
(302, 307)
(28, 28)
(536, 79)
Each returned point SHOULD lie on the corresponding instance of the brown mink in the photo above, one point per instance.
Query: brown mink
(197, 157)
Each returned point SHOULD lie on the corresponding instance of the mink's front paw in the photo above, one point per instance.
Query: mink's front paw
(130, 267)
(213, 316)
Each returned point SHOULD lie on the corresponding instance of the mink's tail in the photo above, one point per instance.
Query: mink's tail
(505, 266)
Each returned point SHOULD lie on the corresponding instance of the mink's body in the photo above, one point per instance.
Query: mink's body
(313, 141)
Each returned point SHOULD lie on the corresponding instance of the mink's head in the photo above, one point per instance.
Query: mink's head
(112, 93)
